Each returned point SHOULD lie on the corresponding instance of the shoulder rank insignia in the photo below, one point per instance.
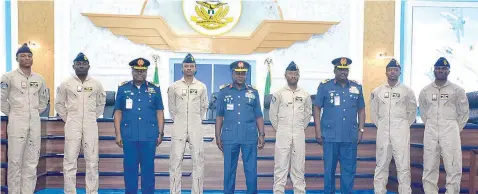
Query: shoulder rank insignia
(123, 83)
(325, 81)
(251, 86)
(223, 86)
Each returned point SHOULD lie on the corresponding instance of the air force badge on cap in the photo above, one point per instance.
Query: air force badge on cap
(239, 66)
(189, 59)
(81, 57)
(393, 63)
(442, 62)
(292, 67)
(342, 62)
(139, 63)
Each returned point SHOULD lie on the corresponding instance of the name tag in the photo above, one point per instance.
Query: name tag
(337, 100)
(129, 103)
(230, 107)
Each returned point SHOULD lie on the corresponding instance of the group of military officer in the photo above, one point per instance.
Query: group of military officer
(339, 115)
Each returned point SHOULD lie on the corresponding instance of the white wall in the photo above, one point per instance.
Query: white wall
(109, 54)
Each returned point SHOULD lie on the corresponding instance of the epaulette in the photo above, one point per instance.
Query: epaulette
(353, 81)
(152, 84)
(325, 81)
(123, 83)
(251, 86)
(223, 86)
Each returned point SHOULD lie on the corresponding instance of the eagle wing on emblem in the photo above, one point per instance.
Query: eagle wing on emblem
(221, 13)
(202, 13)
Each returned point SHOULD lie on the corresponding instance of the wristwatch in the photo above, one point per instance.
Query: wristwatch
(361, 130)
(262, 134)
(161, 134)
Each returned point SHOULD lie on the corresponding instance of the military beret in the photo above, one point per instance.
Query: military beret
(442, 62)
(189, 59)
(24, 49)
(393, 63)
(292, 67)
(139, 63)
(81, 57)
(239, 66)
(342, 62)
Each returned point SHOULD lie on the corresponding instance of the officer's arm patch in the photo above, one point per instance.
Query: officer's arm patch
(4, 85)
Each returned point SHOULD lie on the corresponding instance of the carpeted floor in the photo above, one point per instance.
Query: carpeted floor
(120, 191)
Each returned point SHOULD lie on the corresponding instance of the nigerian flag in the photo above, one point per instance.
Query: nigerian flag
(156, 76)
(267, 90)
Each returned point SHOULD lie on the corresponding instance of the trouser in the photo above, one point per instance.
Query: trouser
(23, 155)
(73, 142)
(139, 153)
(289, 154)
(249, 158)
(347, 152)
(449, 147)
(176, 161)
(399, 148)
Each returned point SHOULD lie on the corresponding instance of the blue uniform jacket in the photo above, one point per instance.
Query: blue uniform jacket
(139, 107)
(340, 106)
(240, 107)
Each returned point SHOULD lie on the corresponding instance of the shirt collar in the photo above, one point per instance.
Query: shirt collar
(21, 72)
(444, 85)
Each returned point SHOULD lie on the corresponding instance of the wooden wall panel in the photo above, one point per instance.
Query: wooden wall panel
(36, 24)
(379, 36)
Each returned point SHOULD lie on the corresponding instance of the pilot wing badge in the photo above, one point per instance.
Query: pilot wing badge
(212, 17)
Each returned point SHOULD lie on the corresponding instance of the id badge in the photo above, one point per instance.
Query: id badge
(129, 103)
(230, 107)
(337, 100)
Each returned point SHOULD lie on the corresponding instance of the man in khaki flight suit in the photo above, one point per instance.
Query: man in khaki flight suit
(24, 97)
(444, 110)
(188, 103)
(80, 101)
(290, 113)
(393, 110)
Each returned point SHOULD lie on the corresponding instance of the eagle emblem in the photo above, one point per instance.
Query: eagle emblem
(343, 61)
(140, 62)
(212, 17)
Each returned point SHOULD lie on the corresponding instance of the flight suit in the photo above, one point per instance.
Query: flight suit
(445, 111)
(139, 132)
(188, 105)
(240, 108)
(290, 114)
(393, 110)
(79, 105)
(339, 125)
(23, 99)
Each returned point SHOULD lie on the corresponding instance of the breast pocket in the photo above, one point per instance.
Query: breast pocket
(92, 101)
(353, 100)
(34, 93)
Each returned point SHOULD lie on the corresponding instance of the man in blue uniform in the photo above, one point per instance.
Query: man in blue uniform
(239, 123)
(337, 129)
(139, 126)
